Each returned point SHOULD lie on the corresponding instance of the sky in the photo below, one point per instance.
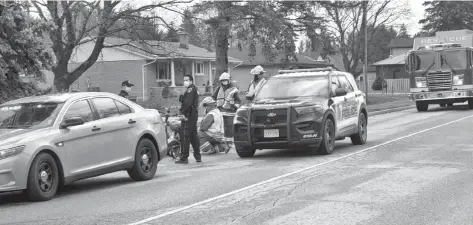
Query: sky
(412, 23)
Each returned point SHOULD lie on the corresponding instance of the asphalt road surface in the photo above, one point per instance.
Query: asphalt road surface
(415, 169)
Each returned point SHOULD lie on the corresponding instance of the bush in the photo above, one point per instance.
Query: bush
(378, 84)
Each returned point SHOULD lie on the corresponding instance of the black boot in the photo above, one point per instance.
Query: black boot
(182, 161)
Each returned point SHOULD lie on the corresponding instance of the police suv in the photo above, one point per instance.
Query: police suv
(305, 108)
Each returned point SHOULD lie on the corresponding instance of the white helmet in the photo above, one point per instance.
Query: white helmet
(225, 76)
(257, 70)
(207, 100)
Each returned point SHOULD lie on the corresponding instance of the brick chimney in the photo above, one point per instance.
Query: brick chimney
(183, 39)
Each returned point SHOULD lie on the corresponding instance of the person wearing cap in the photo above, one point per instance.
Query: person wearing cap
(228, 101)
(211, 129)
(126, 89)
(257, 81)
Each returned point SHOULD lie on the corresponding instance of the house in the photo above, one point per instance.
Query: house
(399, 46)
(337, 61)
(393, 67)
(150, 67)
(242, 75)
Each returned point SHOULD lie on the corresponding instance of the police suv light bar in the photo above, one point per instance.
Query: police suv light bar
(306, 70)
(437, 46)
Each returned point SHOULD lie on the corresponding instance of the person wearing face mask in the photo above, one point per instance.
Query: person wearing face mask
(228, 102)
(126, 89)
(190, 114)
(211, 129)
(257, 82)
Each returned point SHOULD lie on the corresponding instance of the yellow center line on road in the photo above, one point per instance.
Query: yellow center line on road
(290, 174)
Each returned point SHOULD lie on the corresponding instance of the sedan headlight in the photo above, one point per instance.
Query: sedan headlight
(5, 153)
(458, 79)
(421, 82)
(308, 109)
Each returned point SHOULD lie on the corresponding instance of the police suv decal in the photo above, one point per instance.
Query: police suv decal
(309, 136)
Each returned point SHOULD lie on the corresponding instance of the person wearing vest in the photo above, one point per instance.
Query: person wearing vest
(211, 129)
(257, 82)
(228, 102)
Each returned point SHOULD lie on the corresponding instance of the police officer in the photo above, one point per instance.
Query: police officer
(126, 89)
(189, 112)
(228, 102)
(257, 81)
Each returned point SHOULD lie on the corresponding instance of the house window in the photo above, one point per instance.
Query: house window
(199, 68)
(164, 71)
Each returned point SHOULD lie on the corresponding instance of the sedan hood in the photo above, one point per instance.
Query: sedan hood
(11, 136)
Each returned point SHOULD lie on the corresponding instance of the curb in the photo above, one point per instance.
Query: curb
(385, 111)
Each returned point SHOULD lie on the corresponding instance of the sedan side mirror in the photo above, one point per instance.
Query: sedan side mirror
(250, 98)
(72, 121)
(340, 92)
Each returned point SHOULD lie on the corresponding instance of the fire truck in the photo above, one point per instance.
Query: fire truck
(440, 69)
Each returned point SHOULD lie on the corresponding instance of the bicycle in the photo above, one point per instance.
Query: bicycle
(173, 129)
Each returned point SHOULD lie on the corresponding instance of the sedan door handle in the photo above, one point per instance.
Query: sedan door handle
(131, 121)
(96, 128)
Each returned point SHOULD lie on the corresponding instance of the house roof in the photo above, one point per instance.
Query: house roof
(394, 60)
(259, 58)
(154, 49)
(401, 43)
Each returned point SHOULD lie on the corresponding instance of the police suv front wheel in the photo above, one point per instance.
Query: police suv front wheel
(328, 141)
(245, 152)
(360, 137)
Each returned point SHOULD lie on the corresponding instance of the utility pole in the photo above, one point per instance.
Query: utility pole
(365, 21)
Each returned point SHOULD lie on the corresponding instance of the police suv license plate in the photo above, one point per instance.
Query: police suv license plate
(271, 133)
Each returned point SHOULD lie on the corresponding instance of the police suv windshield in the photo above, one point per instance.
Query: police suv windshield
(292, 87)
(28, 115)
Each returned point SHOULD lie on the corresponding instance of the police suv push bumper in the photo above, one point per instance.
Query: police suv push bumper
(441, 95)
(280, 128)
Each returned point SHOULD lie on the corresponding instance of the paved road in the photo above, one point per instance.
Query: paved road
(424, 178)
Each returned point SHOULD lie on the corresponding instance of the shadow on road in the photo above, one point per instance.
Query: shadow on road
(463, 107)
(78, 187)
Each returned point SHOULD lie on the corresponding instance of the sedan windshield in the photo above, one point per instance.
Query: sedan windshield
(292, 87)
(28, 115)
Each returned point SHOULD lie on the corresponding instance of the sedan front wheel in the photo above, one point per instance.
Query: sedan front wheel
(146, 161)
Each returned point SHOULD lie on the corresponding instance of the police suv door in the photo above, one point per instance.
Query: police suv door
(338, 105)
(350, 111)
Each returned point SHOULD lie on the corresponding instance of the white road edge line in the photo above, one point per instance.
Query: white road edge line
(384, 110)
(290, 174)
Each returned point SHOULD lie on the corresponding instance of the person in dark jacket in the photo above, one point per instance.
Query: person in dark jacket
(189, 112)
(228, 101)
(126, 89)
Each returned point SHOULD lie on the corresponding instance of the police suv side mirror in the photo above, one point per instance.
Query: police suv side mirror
(340, 92)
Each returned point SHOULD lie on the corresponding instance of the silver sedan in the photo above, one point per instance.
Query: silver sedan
(52, 140)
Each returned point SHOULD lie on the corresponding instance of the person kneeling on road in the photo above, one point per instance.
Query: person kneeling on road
(211, 130)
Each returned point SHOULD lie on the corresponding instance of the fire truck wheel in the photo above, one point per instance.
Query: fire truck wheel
(422, 106)
(470, 103)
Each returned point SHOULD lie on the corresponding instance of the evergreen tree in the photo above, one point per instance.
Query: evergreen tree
(189, 25)
(22, 50)
(171, 34)
(300, 50)
(447, 15)
(403, 32)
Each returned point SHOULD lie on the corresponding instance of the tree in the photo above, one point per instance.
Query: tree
(190, 26)
(347, 31)
(77, 23)
(403, 32)
(271, 24)
(172, 33)
(300, 50)
(22, 49)
(447, 15)
(379, 43)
